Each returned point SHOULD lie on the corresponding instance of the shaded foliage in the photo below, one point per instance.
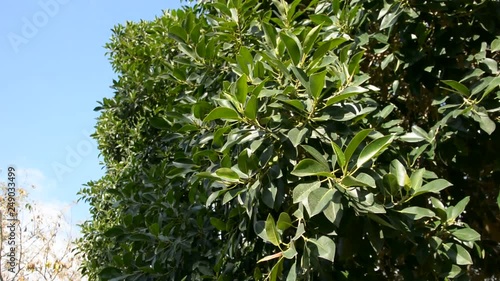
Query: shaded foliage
(304, 140)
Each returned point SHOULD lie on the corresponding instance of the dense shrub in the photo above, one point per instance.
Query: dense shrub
(313, 140)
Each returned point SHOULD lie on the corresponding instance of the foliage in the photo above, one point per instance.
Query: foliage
(309, 140)
(44, 242)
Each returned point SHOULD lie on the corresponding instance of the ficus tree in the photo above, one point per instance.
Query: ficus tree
(300, 140)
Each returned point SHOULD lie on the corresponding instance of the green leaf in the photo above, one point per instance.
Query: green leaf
(159, 123)
(458, 87)
(259, 228)
(309, 167)
(214, 196)
(416, 179)
(108, 273)
(457, 253)
(244, 59)
(485, 122)
(114, 231)
(397, 169)
(301, 75)
(490, 64)
(284, 221)
(311, 37)
(326, 247)
(340, 156)
(351, 181)
(291, 252)
(345, 94)
(434, 186)
(241, 89)
(296, 136)
(154, 229)
(317, 200)
(498, 200)
(177, 33)
(453, 271)
(495, 45)
(301, 191)
(390, 19)
(292, 274)
(217, 223)
(293, 46)
(276, 270)
(355, 142)
(373, 149)
(454, 212)
(317, 83)
(227, 174)
(466, 234)
(334, 210)
(222, 113)
(251, 108)
(316, 154)
(272, 231)
(418, 212)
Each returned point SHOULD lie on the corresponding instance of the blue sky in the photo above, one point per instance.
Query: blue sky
(53, 70)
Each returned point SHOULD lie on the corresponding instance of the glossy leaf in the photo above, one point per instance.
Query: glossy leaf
(293, 46)
(310, 167)
(222, 113)
(434, 186)
(373, 149)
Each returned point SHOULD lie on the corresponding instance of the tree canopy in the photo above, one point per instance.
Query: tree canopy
(300, 140)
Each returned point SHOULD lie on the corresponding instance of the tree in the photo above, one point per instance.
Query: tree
(316, 140)
(43, 248)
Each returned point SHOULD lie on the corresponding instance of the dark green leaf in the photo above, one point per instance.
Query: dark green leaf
(355, 142)
(317, 83)
(222, 113)
(373, 149)
(458, 87)
(241, 89)
(217, 223)
(251, 108)
(340, 156)
(309, 167)
(311, 37)
(316, 154)
(293, 46)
